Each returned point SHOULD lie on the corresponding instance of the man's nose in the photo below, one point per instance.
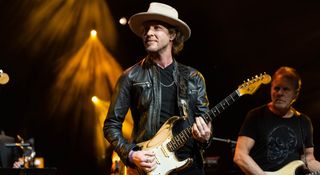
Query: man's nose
(150, 32)
(281, 91)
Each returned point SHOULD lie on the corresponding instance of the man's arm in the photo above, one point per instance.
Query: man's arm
(243, 159)
(119, 106)
(312, 163)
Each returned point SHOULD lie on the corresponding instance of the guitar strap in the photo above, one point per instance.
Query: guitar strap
(302, 136)
(183, 76)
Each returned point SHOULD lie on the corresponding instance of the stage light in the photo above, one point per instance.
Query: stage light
(94, 99)
(123, 21)
(93, 33)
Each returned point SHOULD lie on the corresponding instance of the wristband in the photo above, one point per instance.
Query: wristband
(130, 156)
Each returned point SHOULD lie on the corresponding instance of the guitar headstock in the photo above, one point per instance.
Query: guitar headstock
(251, 86)
(4, 78)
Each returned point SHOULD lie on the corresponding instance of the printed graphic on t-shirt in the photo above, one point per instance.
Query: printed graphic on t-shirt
(281, 142)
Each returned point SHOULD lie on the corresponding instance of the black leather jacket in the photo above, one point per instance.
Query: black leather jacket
(138, 88)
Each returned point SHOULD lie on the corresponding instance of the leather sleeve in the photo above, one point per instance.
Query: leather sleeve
(201, 104)
(118, 109)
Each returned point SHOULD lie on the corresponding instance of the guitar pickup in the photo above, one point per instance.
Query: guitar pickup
(164, 151)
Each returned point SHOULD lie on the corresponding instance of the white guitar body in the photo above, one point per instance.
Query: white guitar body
(166, 160)
(290, 169)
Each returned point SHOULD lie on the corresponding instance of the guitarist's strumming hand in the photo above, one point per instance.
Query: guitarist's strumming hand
(201, 131)
(145, 160)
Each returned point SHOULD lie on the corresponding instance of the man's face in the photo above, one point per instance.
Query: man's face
(156, 37)
(283, 92)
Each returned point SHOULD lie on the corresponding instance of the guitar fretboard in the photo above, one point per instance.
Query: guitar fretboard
(220, 107)
(180, 139)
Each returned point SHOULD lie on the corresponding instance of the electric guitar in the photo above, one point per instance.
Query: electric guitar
(4, 78)
(164, 144)
(292, 168)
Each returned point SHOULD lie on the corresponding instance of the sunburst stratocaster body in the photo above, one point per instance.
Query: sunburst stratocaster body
(165, 159)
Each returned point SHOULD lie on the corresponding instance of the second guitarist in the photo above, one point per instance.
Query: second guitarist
(275, 135)
(155, 89)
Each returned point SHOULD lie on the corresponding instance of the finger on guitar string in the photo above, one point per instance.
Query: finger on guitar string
(151, 159)
(148, 165)
(144, 159)
(147, 160)
(149, 156)
(200, 130)
(205, 128)
(200, 125)
(197, 129)
(148, 168)
(149, 153)
(195, 132)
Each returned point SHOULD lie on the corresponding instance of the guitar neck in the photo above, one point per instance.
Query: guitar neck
(220, 107)
(180, 139)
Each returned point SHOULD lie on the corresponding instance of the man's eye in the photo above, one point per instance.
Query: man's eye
(286, 89)
(146, 28)
(158, 27)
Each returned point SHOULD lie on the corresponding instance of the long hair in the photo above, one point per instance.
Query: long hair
(178, 41)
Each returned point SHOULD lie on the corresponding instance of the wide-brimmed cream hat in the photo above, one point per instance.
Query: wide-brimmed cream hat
(158, 12)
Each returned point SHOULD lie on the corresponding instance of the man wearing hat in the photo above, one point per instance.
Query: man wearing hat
(157, 90)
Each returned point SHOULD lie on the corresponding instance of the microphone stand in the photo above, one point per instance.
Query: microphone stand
(17, 144)
(26, 148)
(224, 140)
(231, 142)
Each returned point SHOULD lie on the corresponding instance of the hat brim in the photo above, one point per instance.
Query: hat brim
(136, 23)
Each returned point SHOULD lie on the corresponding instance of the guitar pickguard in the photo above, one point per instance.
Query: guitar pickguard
(166, 160)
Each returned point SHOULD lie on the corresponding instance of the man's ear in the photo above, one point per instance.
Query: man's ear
(295, 97)
(172, 36)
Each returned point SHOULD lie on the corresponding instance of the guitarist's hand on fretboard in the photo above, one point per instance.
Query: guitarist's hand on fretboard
(201, 131)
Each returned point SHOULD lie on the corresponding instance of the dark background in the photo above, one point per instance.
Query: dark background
(231, 41)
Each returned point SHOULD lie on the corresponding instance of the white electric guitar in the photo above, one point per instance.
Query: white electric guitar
(164, 144)
(292, 168)
(4, 78)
